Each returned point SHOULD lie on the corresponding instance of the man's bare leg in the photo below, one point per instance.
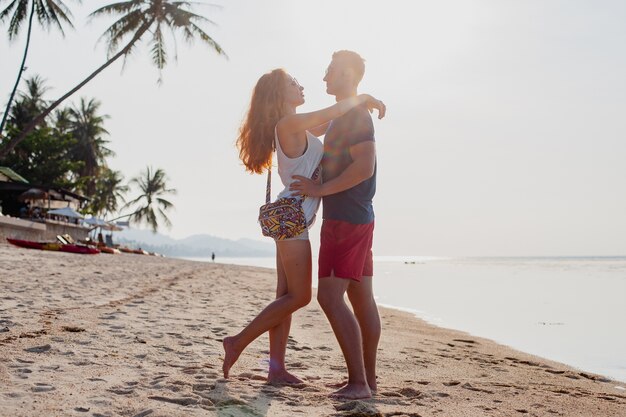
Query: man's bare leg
(330, 295)
(361, 297)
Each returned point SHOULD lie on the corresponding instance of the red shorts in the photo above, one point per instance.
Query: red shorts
(346, 250)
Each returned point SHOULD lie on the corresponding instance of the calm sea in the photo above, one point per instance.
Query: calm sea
(572, 310)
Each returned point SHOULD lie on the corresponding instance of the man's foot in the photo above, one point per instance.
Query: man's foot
(282, 377)
(230, 354)
(353, 392)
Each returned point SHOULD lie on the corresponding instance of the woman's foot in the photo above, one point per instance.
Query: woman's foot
(231, 354)
(373, 385)
(353, 392)
(282, 377)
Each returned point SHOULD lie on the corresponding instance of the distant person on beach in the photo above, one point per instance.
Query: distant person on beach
(272, 124)
(345, 257)
(213, 256)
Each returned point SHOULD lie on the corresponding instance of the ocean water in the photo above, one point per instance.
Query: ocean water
(571, 310)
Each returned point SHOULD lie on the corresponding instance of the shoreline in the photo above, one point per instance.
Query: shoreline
(535, 332)
(136, 335)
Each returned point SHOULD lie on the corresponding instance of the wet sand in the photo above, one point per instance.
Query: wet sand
(132, 335)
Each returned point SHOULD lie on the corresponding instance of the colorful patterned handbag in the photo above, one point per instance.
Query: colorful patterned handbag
(283, 218)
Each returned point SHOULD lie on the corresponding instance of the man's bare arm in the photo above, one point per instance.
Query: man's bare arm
(362, 167)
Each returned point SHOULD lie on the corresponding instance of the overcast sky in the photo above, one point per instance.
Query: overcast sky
(505, 132)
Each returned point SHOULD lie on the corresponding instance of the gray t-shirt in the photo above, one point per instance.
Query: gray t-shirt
(353, 205)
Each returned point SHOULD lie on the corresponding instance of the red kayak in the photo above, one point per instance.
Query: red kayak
(85, 250)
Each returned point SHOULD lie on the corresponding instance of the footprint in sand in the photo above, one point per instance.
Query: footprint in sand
(144, 413)
(38, 349)
(390, 394)
(470, 387)
(184, 401)
(358, 408)
(121, 391)
(39, 387)
(410, 392)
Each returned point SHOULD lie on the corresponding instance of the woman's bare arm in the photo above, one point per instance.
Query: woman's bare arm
(307, 121)
(320, 130)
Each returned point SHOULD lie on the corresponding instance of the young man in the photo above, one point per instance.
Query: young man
(345, 259)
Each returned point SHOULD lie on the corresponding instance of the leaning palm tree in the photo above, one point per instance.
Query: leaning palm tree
(87, 127)
(49, 13)
(139, 17)
(151, 206)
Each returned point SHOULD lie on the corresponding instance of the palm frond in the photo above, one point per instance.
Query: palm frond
(7, 10)
(19, 16)
(123, 27)
(159, 56)
(207, 39)
(164, 203)
(165, 219)
(48, 12)
(59, 12)
(116, 8)
(184, 17)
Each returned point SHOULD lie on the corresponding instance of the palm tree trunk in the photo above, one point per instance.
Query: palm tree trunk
(125, 215)
(37, 120)
(21, 71)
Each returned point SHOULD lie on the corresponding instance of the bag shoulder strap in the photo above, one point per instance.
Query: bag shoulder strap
(268, 188)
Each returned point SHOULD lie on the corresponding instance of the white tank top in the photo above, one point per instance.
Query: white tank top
(303, 165)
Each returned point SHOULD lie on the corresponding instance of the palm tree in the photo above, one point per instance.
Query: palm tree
(62, 121)
(49, 13)
(152, 207)
(30, 102)
(44, 156)
(109, 192)
(87, 127)
(138, 18)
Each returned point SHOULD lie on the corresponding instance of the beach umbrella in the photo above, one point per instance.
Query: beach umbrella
(96, 222)
(33, 194)
(67, 212)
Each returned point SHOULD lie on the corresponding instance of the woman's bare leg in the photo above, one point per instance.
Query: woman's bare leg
(279, 335)
(296, 261)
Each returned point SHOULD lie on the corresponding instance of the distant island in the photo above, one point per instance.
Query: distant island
(202, 245)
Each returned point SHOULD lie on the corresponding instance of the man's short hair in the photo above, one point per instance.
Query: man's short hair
(351, 60)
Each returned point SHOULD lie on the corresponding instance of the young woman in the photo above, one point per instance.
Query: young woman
(272, 124)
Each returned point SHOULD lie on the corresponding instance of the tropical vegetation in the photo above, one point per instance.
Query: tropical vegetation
(68, 146)
(139, 18)
(48, 12)
(69, 150)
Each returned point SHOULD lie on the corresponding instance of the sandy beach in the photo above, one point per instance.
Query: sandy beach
(131, 335)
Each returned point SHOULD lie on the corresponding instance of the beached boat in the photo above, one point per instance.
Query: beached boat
(54, 246)
(106, 249)
(134, 251)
